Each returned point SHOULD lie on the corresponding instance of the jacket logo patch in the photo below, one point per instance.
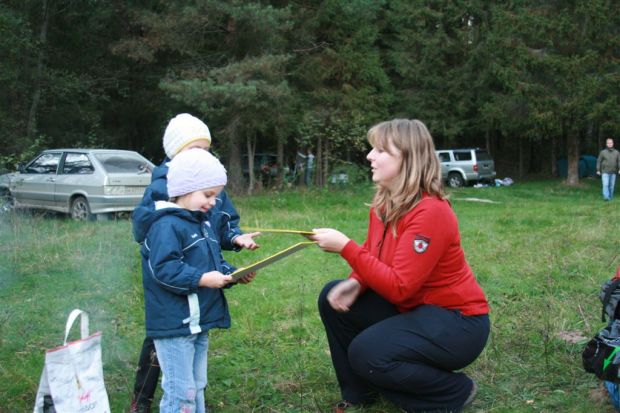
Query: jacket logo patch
(194, 236)
(420, 243)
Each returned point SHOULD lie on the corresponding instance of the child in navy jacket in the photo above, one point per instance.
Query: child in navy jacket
(182, 275)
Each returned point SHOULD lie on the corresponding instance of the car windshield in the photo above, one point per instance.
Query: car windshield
(483, 156)
(123, 163)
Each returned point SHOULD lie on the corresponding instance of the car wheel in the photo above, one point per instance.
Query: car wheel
(80, 211)
(455, 180)
(6, 202)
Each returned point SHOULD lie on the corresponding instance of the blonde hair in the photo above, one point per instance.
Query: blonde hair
(420, 168)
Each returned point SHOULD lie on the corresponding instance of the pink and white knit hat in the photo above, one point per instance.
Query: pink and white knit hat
(194, 170)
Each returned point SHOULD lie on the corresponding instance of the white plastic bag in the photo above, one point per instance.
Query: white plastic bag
(72, 378)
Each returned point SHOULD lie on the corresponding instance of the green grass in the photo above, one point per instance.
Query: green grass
(540, 252)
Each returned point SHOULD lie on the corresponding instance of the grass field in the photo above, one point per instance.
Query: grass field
(540, 250)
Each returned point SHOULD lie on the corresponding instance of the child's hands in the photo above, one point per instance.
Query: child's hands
(214, 279)
(247, 240)
(246, 279)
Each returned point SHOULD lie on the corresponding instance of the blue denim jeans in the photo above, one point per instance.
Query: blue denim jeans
(183, 362)
(609, 181)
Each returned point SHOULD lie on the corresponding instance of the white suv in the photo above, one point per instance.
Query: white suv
(461, 167)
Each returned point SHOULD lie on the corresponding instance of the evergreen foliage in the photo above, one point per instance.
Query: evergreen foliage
(531, 81)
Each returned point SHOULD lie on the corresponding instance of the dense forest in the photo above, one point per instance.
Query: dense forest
(532, 81)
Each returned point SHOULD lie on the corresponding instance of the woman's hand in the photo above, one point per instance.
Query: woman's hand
(342, 296)
(329, 239)
(247, 240)
(246, 279)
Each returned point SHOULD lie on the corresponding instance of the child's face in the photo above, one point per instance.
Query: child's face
(202, 200)
(199, 144)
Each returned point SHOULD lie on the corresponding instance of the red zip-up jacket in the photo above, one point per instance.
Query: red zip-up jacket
(423, 264)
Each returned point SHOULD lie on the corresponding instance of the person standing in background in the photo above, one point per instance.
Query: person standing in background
(309, 167)
(607, 167)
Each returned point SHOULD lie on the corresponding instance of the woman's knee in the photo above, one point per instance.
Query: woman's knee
(365, 357)
(381, 367)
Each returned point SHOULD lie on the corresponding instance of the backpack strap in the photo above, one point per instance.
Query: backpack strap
(608, 291)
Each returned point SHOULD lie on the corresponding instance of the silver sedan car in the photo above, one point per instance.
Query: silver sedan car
(80, 182)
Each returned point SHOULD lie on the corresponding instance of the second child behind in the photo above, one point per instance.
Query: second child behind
(182, 275)
(183, 132)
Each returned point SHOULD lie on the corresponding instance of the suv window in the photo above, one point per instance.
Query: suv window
(444, 157)
(462, 155)
(483, 155)
(47, 163)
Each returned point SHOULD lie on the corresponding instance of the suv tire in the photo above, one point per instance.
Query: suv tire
(455, 180)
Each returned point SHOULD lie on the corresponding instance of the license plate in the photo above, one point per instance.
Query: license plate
(134, 190)
(124, 190)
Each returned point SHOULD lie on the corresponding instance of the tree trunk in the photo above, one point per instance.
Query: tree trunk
(553, 156)
(235, 173)
(251, 149)
(319, 160)
(326, 154)
(572, 155)
(487, 141)
(36, 95)
(280, 154)
(521, 172)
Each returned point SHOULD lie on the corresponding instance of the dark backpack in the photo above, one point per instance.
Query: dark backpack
(601, 356)
(610, 296)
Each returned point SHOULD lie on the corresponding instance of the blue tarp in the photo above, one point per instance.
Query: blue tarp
(587, 166)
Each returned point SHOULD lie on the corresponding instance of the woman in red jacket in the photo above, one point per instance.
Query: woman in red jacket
(411, 312)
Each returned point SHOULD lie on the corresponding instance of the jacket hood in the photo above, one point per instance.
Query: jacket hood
(160, 171)
(141, 217)
(163, 208)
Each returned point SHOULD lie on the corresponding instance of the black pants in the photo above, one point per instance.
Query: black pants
(409, 358)
(147, 374)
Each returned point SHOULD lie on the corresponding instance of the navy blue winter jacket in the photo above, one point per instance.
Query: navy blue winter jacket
(223, 216)
(179, 246)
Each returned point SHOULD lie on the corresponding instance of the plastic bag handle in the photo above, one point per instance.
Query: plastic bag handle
(83, 325)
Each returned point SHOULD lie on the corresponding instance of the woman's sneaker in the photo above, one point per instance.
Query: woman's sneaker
(472, 394)
(344, 406)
